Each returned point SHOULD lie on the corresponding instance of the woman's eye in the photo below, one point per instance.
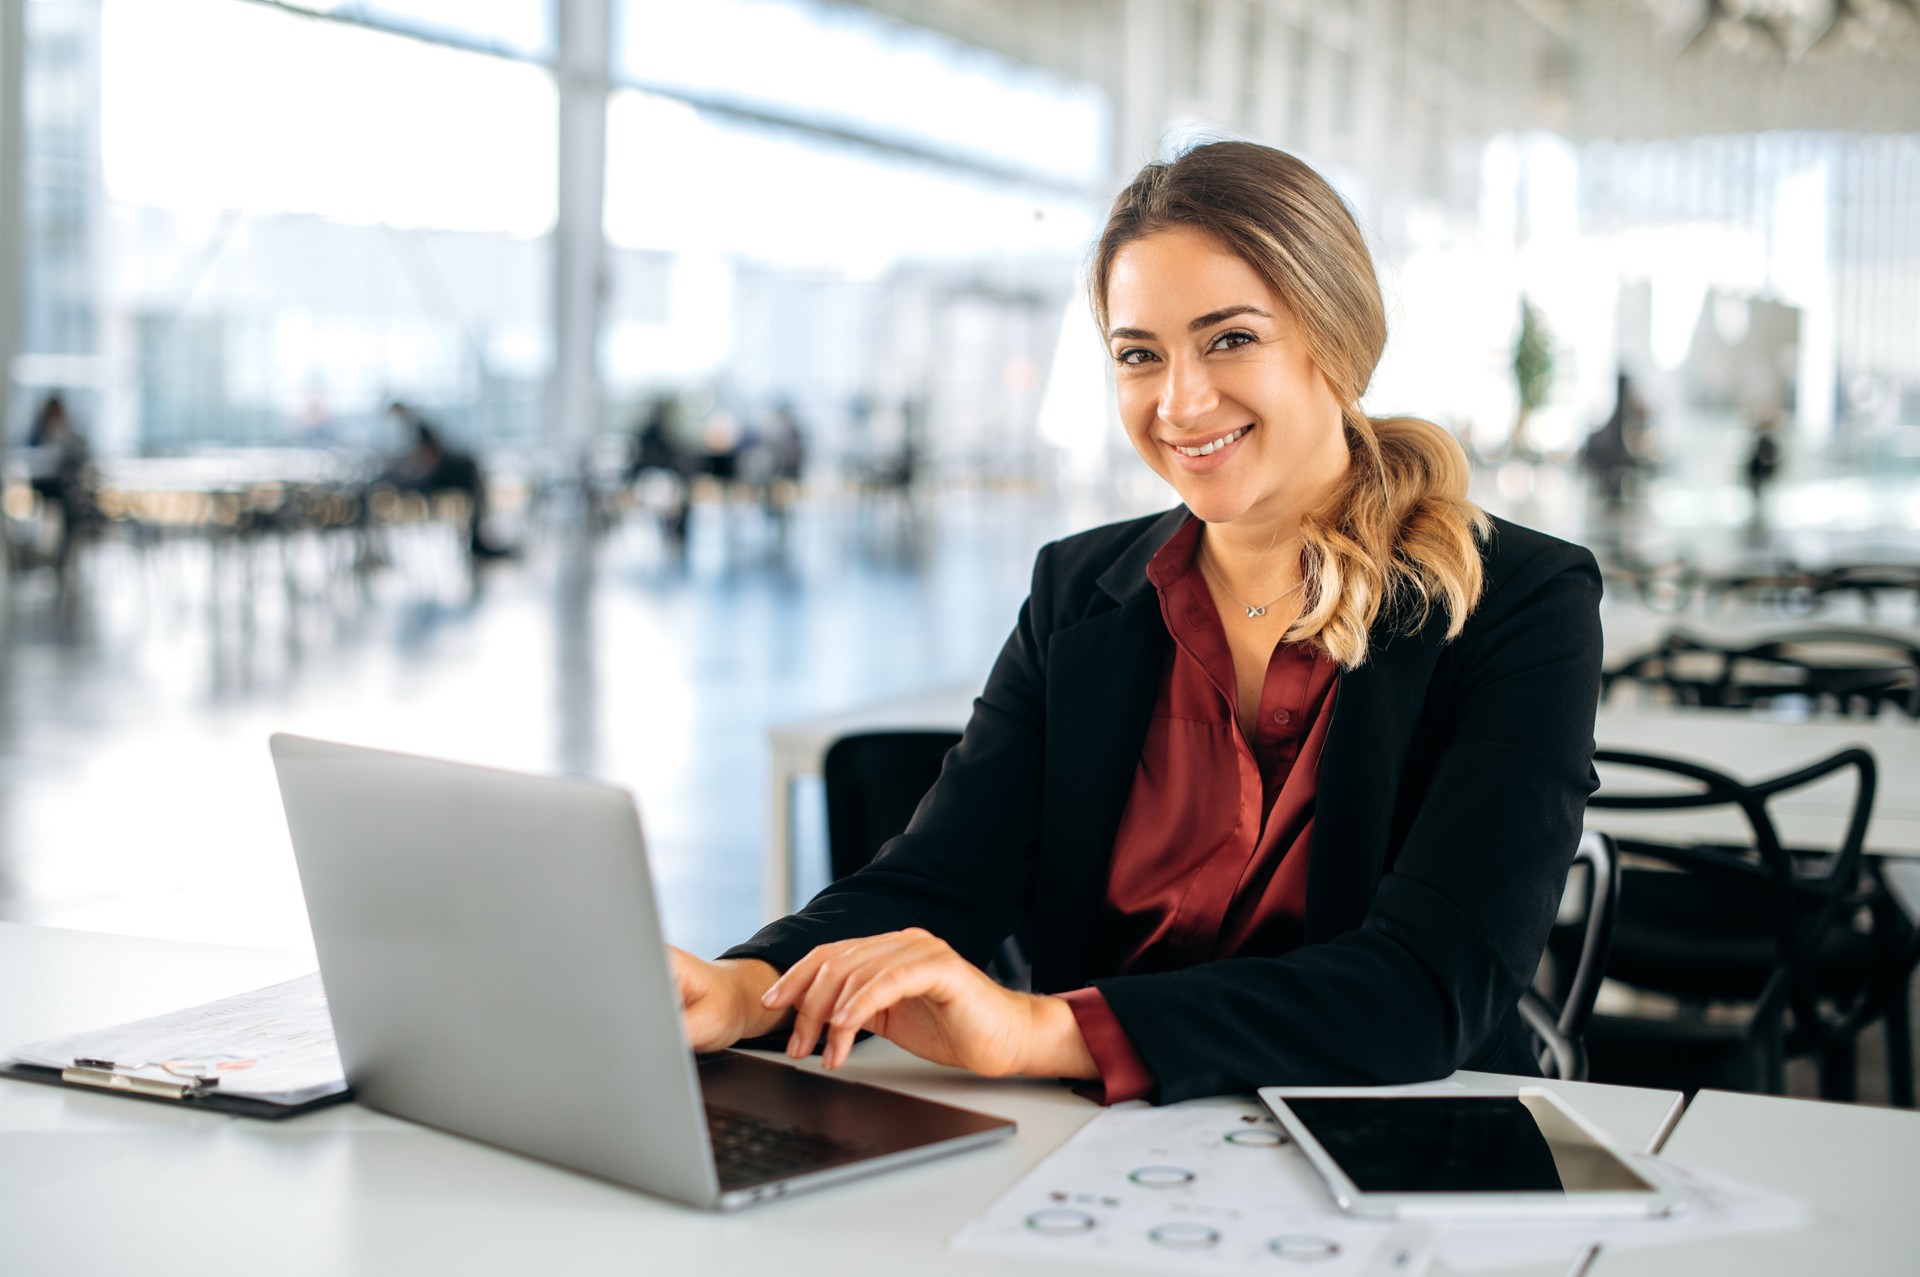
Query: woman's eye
(1134, 356)
(1228, 340)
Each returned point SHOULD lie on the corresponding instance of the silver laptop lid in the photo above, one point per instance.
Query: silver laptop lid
(494, 962)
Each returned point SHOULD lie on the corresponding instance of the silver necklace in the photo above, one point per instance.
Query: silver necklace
(1254, 610)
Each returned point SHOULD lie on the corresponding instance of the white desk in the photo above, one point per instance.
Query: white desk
(101, 1184)
(1748, 747)
(1753, 748)
(1857, 1167)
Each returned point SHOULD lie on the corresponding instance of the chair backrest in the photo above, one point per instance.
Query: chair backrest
(1558, 1035)
(1868, 582)
(1784, 589)
(1798, 899)
(875, 780)
(1843, 670)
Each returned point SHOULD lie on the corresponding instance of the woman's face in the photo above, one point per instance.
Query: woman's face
(1216, 389)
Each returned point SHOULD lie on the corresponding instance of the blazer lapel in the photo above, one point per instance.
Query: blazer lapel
(1375, 712)
(1103, 676)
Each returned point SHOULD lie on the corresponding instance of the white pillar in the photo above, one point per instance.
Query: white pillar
(13, 14)
(1141, 96)
(579, 248)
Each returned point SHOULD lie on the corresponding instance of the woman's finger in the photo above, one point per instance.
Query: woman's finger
(923, 968)
(816, 982)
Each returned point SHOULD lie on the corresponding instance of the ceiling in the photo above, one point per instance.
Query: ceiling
(1590, 68)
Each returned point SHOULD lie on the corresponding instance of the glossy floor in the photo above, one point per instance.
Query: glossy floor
(136, 793)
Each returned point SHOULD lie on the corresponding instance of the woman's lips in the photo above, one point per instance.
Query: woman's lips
(1211, 455)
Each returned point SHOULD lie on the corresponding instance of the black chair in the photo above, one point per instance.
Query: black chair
(875, 781)
(1576, 962)
(1798, 937)
(1668, 586)
(1870, 583)
(1839, 670)
(1785, 589)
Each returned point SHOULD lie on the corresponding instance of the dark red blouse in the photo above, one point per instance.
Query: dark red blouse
(1211, 856)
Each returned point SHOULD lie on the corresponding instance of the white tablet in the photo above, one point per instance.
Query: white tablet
(1455, 1154)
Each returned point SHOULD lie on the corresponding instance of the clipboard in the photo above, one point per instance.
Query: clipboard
(268, 1053)
(86, 1075)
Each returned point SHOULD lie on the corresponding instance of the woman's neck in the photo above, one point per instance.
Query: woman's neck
(1255, 567)
(1259, 552)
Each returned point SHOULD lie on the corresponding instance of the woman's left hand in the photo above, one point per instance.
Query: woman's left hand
(913, 989)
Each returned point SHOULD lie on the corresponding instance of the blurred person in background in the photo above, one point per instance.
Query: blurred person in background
(655, 448)
(430, 466)
(1279, 786)
(60, 464)
(1763, 461)
(1613, 453)
(776, 460)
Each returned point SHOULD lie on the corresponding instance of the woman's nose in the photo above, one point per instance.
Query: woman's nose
(1187, 396)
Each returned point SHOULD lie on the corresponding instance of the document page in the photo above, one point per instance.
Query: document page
(1206, 1186)
(273, 1044)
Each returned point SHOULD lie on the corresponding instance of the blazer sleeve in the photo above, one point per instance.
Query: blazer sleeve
(964, 868)
(1457, 925)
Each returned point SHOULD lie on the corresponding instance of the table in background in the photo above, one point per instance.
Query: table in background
(1748, 746)
(1857, 1166)
(96, 1184)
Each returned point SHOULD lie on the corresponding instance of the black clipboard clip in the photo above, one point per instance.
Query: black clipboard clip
(108, 1076)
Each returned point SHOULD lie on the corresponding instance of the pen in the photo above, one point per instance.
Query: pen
(1583, 1261)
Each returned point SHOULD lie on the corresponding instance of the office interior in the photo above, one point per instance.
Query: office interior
(762, 325)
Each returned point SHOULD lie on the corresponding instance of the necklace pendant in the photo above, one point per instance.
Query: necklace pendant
(1253, 612)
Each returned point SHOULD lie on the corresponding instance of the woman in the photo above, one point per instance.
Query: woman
(1281, 786)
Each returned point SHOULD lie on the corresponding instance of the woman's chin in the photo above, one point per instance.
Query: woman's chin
(1215, 507)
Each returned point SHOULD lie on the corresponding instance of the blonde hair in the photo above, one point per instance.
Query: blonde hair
(1399, 532)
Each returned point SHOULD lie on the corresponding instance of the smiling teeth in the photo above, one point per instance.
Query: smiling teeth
(1213, 447)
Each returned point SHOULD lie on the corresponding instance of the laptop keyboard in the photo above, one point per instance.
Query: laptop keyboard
(748, 1148)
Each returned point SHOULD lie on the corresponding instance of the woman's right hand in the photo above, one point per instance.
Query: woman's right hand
(720, 1001)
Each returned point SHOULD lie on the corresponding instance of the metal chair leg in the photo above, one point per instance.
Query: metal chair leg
(1899, 1027)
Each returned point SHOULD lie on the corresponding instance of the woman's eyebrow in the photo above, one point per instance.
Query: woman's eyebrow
(1213, 317)
(1207, 320)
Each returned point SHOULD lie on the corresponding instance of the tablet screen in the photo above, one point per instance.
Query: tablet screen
(1462, 1144)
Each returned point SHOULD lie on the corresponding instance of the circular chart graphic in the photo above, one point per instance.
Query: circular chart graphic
(1060, 1222)
(1161, 1176)
(1303, 1246)
(1184, 1235)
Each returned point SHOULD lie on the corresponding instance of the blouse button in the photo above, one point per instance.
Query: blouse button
(1282, 717)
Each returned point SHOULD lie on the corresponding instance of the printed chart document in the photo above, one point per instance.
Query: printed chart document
(273, 1044)
(1215, 1186)
(1205, 1186)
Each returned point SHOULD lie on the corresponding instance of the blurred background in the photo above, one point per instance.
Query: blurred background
(595, 385)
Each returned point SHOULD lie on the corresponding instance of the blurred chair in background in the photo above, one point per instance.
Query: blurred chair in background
(1770, 954)
(1837, 671)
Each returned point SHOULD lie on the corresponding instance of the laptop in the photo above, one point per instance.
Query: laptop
(495, 967)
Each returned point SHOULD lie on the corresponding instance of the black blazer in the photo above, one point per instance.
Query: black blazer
(1464, 766)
